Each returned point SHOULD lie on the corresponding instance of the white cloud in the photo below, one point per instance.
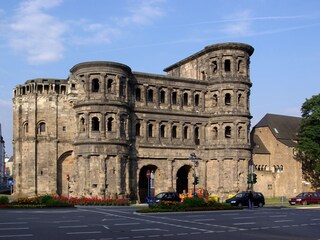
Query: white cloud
(143, 13)
(240, 24)
(36, 33)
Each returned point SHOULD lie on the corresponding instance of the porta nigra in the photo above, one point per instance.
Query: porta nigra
(105, 126)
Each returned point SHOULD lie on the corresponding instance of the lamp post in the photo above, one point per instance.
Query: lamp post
(195, 161)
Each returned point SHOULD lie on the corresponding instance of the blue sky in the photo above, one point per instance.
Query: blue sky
(45, 38)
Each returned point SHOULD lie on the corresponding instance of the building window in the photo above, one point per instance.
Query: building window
(138, 129)
(240, 132)
(227, 99)
(227, 132)
(185, 132)
(123, 126)
(150, 130)
(174, 98)
(150, 95)
(95, 124)
(138, 94)
(122, 89)
(214, 133)
(26, 127)
(185, 99)
(163, 131)
(227, 65)
(95, 85)
(82, 125)
(109, 124)
(174, 132)
(196, 136)
(215, 100)
(269, 186)
(240, 99)
(42, 127)
(162, 96)
(196, 100)
(109, 85)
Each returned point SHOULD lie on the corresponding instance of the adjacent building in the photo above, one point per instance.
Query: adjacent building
(2, 157)
(105, 127)
(279, 173)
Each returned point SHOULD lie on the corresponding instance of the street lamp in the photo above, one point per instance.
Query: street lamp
(195, 161)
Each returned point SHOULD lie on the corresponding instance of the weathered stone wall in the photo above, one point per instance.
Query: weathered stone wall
(106, 126)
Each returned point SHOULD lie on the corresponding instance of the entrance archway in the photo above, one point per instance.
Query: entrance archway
(182, 178)
(143, 182)
(64, 167)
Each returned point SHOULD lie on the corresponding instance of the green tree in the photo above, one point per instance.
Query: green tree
(308, 148)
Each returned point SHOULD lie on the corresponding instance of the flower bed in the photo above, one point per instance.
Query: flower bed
(46, 201)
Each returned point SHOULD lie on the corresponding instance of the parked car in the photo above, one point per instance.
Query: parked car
(165, 196)
(306, 198)
(242, 199)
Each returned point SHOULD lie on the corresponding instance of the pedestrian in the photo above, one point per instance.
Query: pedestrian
(250, 200)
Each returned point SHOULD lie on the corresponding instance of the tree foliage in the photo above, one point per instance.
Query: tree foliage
(308, 148)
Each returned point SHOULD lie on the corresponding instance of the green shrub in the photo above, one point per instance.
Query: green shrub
(194, 202)
(45, 199)
(4, 200)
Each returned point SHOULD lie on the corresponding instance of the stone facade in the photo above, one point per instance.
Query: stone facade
(105, 126)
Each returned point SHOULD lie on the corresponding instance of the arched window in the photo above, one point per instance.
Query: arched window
(214, 133)
(227, 132)
(215, 100)
(240, 99)
(196, 100)
(174, 132)
(138, 94)
(174, 98)
(122, 89)
(185, 132)
(196, 136)
(162, 96)
(240, 66)
(42, 128)
(185, 99)
(163, 131)
(227, 65)
(95, 124)
(82, 125)
(109, 124)
(240, 132)
(95, 85)
(123, 126)
(227, 99)
(138, 129)
(26, 127)
(150, 95)
(109, 85)
(150, 130)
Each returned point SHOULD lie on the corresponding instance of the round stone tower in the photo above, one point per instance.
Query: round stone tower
(102, 119)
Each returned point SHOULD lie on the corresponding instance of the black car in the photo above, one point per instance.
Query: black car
(165, 196)
(242, 199)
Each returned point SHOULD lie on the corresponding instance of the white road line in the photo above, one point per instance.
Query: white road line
(21, 228)
(14, 236)
(245, 223)
(7, 223)
(204, 219)
(147, 229)
(66, 221)
(80, 226)
(74, 233)
(243, 217)
(315, 219)
(278, 221)
(126, 224)
(274, 216)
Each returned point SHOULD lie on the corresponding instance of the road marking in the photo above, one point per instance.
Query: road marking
(138, 237)
(245, 223)
(14, 236)
(274, 216)
(13, 223)
(315, 219)
(278, 221)
(22, 228)
(148, 229)
(66, 221)
(243, 217)
(204, 219)
(125, 224)
(74, 233)
(80, 226)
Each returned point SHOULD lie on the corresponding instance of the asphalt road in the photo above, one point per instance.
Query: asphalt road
(121, 223)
